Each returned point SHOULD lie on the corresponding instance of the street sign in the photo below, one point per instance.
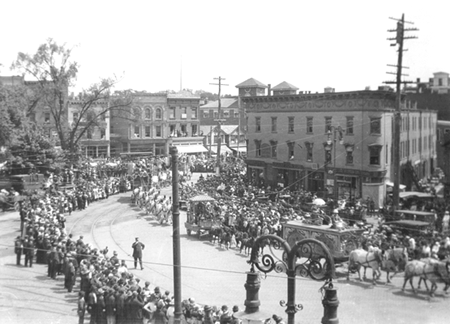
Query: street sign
(220, 120)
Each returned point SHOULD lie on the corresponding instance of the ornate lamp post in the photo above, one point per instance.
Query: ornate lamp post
(307, 258)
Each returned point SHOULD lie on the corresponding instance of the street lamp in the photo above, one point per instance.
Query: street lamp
(307, 258)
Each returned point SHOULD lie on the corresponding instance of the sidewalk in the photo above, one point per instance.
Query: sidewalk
(27, 295)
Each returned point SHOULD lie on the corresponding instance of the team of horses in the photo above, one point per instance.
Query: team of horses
(396, 260)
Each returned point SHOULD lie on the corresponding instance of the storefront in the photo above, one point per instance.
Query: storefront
(316, 183)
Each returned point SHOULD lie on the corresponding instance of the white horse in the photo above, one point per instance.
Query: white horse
(361, 258)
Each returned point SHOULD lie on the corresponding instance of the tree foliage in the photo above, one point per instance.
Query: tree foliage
(54, 71)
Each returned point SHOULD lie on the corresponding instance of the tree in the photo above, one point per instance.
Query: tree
(54, 72)
(15, 103)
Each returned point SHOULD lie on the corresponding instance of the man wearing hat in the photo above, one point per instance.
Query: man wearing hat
(137, 252)
(18, 249)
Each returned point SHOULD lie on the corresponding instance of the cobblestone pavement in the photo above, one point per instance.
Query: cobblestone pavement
(210, 274)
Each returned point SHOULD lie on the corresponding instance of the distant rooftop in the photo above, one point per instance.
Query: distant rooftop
(183, 94)
(284, 86)
(224, 103)
(251, 83)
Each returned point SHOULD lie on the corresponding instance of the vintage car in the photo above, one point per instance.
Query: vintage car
(340, 241)
(200, 216)
(411, 221)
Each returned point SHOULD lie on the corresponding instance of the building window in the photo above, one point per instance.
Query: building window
(75, 116)
(172, 130)
(328, 149)
(273, 149)
(158, 131)
(375, 126)
(136, 131)
(440, 82)
(193, 112)
(387, 154)
(258, 148)
(216, 114)
(291, 150)
(309, 125)
(309, 151)
(148, 113)
(257, 124)
(172, 113)
(137, 113)
(327, 124)
(47, 117)
(183, 129)
(205, 114)
(274, 124)
(102, 133)
(158, 114)
(374, 151)
(349, 128)
(226, 114)
(147, 131)
(194, 129)
(89, 133)
(291, 125)
(236, 114)
(183, 112)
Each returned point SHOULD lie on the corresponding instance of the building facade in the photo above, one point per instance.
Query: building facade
(158, 121)
(336, 144)
(95, 142)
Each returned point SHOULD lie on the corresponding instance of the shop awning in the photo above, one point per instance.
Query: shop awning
(409, 194)
(223, 149)
(391, 184)
(242, 148)
(191, 148)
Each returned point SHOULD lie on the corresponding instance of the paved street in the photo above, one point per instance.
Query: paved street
(210, 274)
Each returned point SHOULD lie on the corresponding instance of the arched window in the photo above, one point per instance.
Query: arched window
(148, 113)
(137, 113)
(158, 114)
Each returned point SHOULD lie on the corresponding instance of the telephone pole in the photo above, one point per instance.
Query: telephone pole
(219, 120)
(400, 37)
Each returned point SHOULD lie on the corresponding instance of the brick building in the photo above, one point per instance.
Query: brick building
(335, 144)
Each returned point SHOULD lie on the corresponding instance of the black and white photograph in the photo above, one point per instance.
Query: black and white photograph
(224, 162)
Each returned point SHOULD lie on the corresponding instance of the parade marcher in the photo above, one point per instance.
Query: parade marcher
(137, 252)
(92, 306)
(18, 249)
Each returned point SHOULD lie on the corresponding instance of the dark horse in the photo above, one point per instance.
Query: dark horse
(247, 245)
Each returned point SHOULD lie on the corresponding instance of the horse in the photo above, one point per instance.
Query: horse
(215, 233)
(225, 239)
(247, 245)
(361, 258)
(428, 269)
(394, 260)
(239, 237)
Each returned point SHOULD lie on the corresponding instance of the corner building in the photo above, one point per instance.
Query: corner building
(337, 145)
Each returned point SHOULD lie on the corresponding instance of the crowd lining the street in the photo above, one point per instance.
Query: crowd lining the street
(109, 291)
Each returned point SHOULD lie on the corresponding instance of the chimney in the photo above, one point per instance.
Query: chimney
(269, 89)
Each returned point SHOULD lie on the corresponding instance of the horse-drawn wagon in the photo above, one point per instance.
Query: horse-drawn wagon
(339, 241)
(200, 215)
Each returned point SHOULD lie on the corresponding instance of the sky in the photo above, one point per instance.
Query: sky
(310, 44)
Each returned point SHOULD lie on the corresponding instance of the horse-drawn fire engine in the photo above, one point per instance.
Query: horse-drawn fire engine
(200, 215)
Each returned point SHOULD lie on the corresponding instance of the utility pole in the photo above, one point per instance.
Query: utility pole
(400, 37)
(219, 120)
